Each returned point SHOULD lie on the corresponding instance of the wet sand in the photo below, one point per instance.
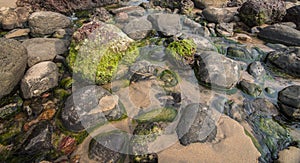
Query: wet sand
(8, 3)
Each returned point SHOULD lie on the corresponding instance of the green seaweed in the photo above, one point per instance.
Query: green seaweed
(185, 48)
(158, 115)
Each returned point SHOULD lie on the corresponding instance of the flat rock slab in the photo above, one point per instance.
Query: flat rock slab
(167, 24)
(44, 49)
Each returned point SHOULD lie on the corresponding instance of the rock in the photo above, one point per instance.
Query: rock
(250, 88)
(293, 15)
(18, 34)
(46, 23)
(202, 43)
(289, 101)
(167, 24)
(258, 12)
(290, 155)
(101, 14)
(185, 7)
(39, 78)
(10, 106)
(138, 28)
(192, 27)
(202, 4)
(13, 18)
(287, 61)
(96, 50)
(261, 106)
(225, 29)
(257, 70)
(62, 6)
(218, 15)
(196, 125)
(44, 49)
(13, 60)
(108, 147)
(217, 70)
(281, 34)
(38, 141)
(90, 106)
(239, 53)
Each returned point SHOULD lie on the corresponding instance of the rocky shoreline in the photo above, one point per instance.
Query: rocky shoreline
(150, 81)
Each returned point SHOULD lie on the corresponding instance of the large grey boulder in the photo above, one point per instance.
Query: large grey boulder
(216, 70)
(13, 61)
(289, 101)
(46, 22)
(44, 49)
(39, 78)
(281, 34)
(167, 24)
(218, 15)
(138, 28)
(202, 4)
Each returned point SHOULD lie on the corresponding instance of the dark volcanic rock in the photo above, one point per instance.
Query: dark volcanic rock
(107, 147)
(64, 6)
(90, 106)
(13, 61)
(258, 12)
(196, 125)
(38, 141)
(287, 61)
(293, 15)
(281, 34)
(289, 101)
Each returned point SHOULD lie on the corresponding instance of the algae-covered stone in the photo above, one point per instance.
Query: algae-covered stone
(250, 88)
(258, 12)
(157, 115)
(97, 49)
(185, 48)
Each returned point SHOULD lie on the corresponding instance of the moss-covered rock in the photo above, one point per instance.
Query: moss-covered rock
(185, 48)
(258, 12)
(96, 51)
(157, 115)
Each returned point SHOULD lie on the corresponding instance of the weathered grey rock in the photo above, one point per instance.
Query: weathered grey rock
(202, 43)
(250, 88)
(46, 22)
(239, 53)
(138, 28)
(13, 18)
(189, 26)
(261, 106)
(13, 60)
(225, 29)
(217, 70)
(287, 61)
(90, 106)
(218, 15)
(167, 24)
(281, 34)
(289, 101)
(258, 12)
(257, 70)
(293, 15)
(201, 4)
(106, 147)
(63, 6)
(38, 141)
(196, 125)
(39, 78)
(44, 49)
(185, 7)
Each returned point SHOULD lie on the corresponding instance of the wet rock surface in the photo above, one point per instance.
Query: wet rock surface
(142, 81)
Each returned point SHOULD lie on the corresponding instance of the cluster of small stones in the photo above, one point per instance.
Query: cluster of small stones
(248, 49)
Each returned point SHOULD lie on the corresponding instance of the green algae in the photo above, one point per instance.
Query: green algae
(185, 48)
(158, 115)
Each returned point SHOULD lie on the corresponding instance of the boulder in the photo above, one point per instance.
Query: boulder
(250, 88)
(218, 15)
(13, 60)
(138, 28)
(196, 124)
(286, 60)
(293, 15)
(257, 70)
(289, 101)
(90, 106)
(202, 4)
(13, 18)
(46, 23)
(167, 24)
(281, 34)
(44, 49)
(258, 12)
(185, 7)
(216, 70)
(39, 78)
